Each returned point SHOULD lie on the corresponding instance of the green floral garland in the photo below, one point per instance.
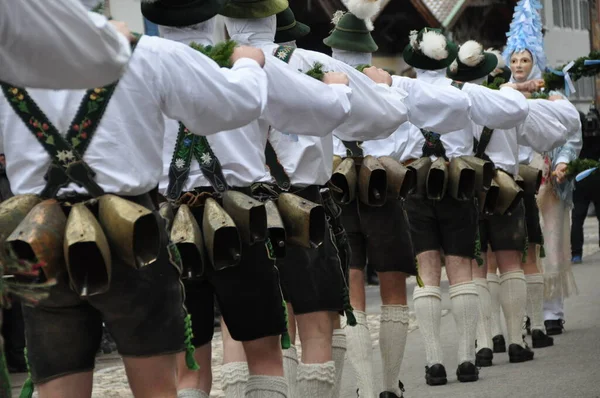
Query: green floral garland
(316, 71)
(577, 71)
(220, 52)
(495, 85)
(578, 165)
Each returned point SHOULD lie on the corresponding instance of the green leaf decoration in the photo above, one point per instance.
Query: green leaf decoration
(578, 165)
(362, 67)
(316, 71)
(220, 52)
(75, 142)
(577, 71)
(539, 95)
(92, 106)
(23, 107)
(495, 85)
(50, 140)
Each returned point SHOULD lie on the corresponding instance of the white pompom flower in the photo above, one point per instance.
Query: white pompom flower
(433, 45)
(471, 53)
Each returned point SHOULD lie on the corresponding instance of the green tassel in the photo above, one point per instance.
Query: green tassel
(542, 251)
(419, 280)
(27, 389)
(286, 341)
(348, 310)
(524, 257)
(478, 257)
(5, 389)
(190, 361)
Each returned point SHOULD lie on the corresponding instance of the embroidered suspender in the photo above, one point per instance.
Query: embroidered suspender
(482, 144)
(284, 53)
(189, 145)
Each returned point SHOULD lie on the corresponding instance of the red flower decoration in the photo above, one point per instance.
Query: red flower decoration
(76, 127)
(40, 135)
(35, 123)
(45, 126)
(83, 135)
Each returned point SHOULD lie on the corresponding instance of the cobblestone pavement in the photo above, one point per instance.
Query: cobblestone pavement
(110, 380)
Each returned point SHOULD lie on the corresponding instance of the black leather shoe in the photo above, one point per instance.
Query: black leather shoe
(528, 325)
(517, 354)
(539, 339)
(499, 343)
(484, 357)
(436, 375)
(388, 394)
(554, 327)
(467, 372)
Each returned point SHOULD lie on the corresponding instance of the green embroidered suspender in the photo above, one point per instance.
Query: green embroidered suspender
(189, 145)
(66, 153)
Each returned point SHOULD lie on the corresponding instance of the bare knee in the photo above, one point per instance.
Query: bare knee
(264, 356)
(430, 267)
(357, 289)
(200, 379)
(509, 260)
(316, 331)
(458, 269)
(152, 377)
(74, 385)
(392, 288)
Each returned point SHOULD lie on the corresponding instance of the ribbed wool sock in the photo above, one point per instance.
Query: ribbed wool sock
(535, 301)
(360, 353)
(338, 350)
(428, 309)
(191, 393)
(464, 298)
(513, 297)
(496, 319)
(484, 305)
(266, 387)
(392, 341)
(234, 379)
(316, 379)
(290, 366)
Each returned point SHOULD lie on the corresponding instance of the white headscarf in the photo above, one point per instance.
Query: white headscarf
(201, 33)
(352, 58)
(252, 31)
(535, 73)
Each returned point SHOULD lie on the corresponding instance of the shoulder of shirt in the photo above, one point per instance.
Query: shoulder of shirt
(158, 45)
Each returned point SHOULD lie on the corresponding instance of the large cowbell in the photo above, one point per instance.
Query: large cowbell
(488, 200)
(275, 229)
(421, 167)
(484, 172)
(510, 194)
(186, 235)
(372, 182)
(221, 236)
(13, 211)
(249, 215)
(39, 237)
(437, 180)
(532, 179)
(166, 211)
(401, 180)
(461, 180)
(87, 253)
(304, 220)
(343, 182)
(131, 229)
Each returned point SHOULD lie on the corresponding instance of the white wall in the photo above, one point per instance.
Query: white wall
(128, 11)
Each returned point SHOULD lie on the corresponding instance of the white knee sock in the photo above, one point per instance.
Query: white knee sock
(464, 298)
(513, 297)
(338, 350)
(535, 301)
(234, 379)
(316, 379)
(360, 353)
(496, 319)
(428, 309)
(392, 340)
(266, 387)
(484, 324)
(290, 366)
(191, 393)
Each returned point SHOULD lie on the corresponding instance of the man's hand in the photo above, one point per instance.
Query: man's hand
(123, 29)
(378, 75)
(248, 52)
(336, 78)
(560, 172)
(555, 97)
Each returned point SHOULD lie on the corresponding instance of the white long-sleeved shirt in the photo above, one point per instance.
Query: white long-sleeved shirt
(127, 148)
(504, 108)
(58, 45)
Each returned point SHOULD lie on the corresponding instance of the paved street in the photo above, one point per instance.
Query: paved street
(566, 370)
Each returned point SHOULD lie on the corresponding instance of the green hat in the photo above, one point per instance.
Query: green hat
(288, 29)
(472, 63)
(181, 12)
(253, 9)
(351, 34)
(429, 50)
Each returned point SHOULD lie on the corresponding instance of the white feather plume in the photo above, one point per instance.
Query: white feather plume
(471, 53)
(498, 54)
(433, 45)
(412, 38)
(364, 9)
(337, 16)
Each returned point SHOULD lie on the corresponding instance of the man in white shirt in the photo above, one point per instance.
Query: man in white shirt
(58, 45)
(143, 307)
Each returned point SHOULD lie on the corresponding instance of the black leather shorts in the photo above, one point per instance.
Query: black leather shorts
(503, 232)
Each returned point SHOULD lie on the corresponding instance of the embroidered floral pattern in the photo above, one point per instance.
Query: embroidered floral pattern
(284, 53)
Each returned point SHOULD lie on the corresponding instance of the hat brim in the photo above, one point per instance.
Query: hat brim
(255, 9)
(189, 14)
(299, 30)
(420, 61)
(351, 41)
(467, 74)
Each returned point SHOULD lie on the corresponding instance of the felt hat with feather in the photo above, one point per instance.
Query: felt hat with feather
(179, 13)
(472, 63)
(352, 31)
(429, 49)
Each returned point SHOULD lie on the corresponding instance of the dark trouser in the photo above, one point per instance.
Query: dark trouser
(585, 192)
(13, 330)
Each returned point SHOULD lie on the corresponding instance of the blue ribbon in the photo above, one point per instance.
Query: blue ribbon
(590, 62)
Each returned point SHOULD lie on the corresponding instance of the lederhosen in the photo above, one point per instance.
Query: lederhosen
(313, 279)
(106, 269)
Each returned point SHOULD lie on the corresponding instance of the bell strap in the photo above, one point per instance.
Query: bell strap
(284, 53)
(188, 146)
(275, 168)
(433, 145)
(353, 148)
(482, 144)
